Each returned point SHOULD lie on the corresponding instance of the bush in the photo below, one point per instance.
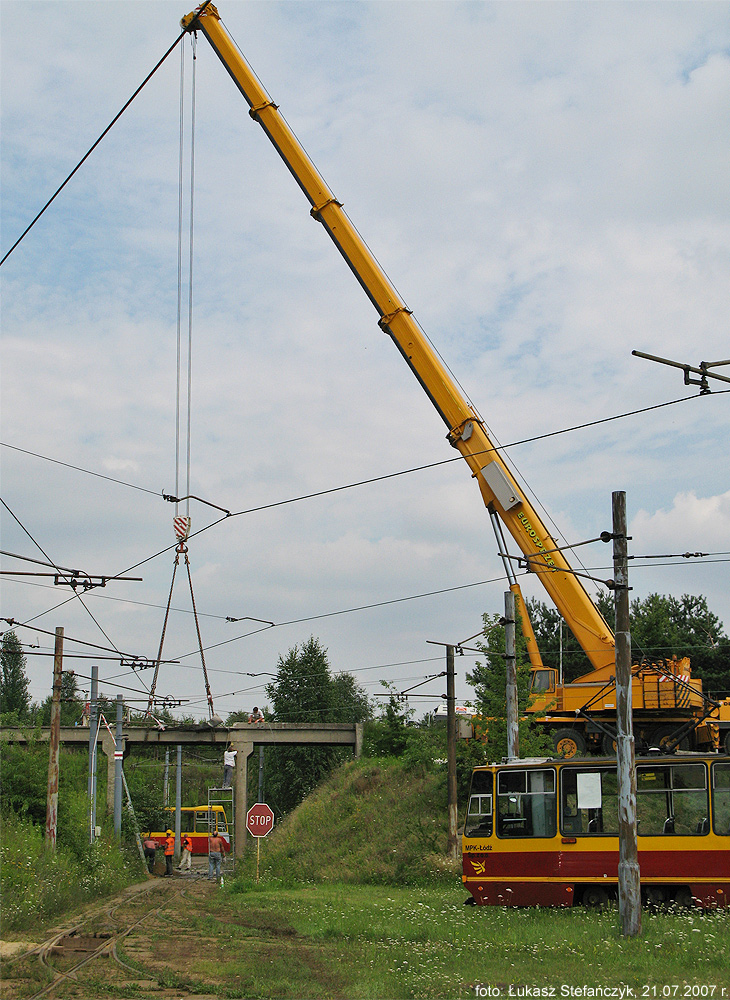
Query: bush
(36, 883)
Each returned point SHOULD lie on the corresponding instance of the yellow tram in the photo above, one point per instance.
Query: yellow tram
(545, 832)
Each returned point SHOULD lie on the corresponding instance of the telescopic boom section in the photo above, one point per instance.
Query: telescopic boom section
(466, 430)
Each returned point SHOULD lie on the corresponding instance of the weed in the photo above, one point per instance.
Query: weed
(37, 884)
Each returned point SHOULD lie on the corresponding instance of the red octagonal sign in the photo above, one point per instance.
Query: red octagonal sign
(259, 820)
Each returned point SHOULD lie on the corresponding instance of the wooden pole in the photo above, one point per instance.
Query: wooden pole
(629, 886)
(54, 741)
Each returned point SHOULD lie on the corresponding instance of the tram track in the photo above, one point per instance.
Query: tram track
(69, 952)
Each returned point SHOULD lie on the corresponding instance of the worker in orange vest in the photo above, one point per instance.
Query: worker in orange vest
(187, 853)
(169, 851)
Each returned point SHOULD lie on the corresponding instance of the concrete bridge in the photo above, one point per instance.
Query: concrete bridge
(244, 736)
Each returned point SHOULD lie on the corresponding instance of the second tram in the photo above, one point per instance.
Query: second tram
(545, 832)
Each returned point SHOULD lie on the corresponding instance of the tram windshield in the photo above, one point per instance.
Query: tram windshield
(479, 814)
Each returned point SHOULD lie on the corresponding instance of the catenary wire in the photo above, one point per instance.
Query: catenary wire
(374, 479)
(369, 481)
(78, 468)
(40, 548)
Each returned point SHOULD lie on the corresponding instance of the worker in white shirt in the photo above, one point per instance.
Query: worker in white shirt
(229, 762)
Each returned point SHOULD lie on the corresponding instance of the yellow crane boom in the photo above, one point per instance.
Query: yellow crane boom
(466, 431)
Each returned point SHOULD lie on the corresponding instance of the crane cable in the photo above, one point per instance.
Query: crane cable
(181, 522)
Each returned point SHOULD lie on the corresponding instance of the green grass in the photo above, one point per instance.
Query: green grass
(37, 885)
(386, 942)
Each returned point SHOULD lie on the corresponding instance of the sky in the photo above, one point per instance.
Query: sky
(547, 186)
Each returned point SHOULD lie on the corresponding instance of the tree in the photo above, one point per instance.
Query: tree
(489, 680)
(302, 687)
(72, 705)
(14, 683)
(349, 701)
(391, 733)
(305, 691)
(662, 627)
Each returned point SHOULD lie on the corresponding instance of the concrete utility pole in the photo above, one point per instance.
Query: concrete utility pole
(54, 742)
(452, 843)
(261, 774)
(178, 802)
(513, 727)
(118, 757)
(93, 724)
(629, 887)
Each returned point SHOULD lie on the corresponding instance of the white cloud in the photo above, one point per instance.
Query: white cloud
(691, 521)
(547, 186)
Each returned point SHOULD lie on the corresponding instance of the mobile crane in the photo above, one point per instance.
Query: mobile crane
(578, 713)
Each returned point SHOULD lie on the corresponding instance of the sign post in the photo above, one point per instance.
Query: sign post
(259, 823)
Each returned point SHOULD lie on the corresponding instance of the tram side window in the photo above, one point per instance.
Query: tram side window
(589, 801)
(721, 799)
(526, 803)
(204, 821)
(671, 799)
(479, 814)
(186, 819)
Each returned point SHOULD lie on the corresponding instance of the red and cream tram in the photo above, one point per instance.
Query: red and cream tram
(545, 832)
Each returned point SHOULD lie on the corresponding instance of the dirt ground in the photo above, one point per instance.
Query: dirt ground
(139, 943)
(167, 937)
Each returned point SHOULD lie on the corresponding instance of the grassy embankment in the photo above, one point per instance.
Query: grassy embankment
(372, 822)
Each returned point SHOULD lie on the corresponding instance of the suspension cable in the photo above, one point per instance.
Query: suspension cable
(153, 688)
(194, 38)
(91, 149)
(181, 523)
(211, 711)
(179, 273)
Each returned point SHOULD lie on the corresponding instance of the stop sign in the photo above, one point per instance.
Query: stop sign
(259, 820)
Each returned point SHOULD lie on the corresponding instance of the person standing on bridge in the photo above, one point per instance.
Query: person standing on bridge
(229, 762)
(215, 854)
(169, 851)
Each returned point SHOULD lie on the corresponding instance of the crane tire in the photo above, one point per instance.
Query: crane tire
(608, 745)
(662, 735)
(569, 743)
(727, 742)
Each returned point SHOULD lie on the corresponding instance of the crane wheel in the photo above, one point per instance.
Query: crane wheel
(663, 735)
(727, 742)
(569, 743)
(608, 745)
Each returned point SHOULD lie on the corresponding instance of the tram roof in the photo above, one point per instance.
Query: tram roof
(685, 755)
